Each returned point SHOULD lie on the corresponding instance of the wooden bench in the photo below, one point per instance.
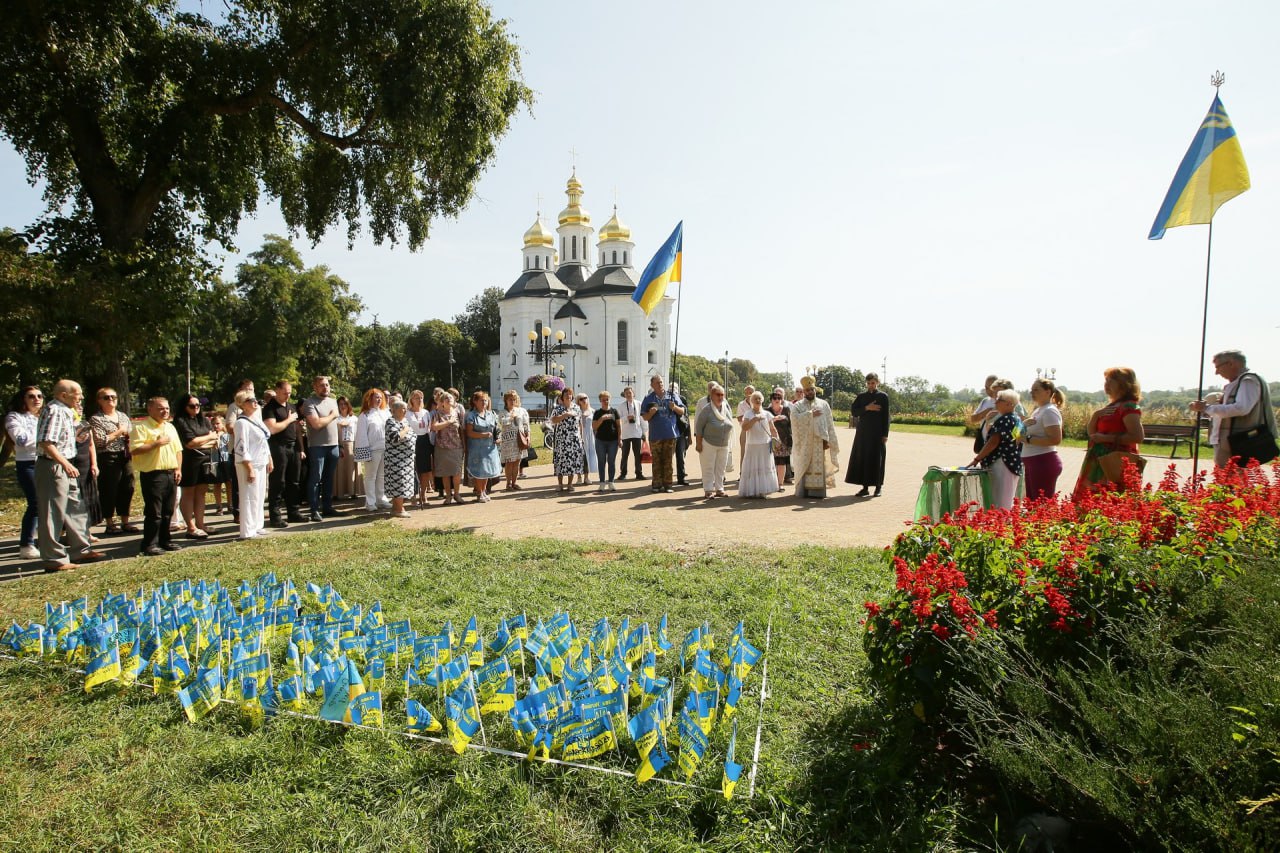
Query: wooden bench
(1174, 434)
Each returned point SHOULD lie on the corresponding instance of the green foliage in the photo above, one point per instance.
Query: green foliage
(381, 361)
(428, 347)
(154, 129)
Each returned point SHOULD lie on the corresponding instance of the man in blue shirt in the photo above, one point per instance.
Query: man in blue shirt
(662, 410)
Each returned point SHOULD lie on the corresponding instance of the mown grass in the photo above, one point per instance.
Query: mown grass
(126, 770)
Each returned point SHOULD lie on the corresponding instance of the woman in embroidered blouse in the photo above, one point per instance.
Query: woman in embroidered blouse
(253, 464)
(346, 482)
(514, 440)
(566, 441)
(1115, 428)
(483, 462)
(115, 471)
(371, 445)
(1001, 453)
(20, 424)
(759, 476)
(448, 453)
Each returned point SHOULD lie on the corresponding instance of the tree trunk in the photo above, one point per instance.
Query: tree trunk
(116, 376)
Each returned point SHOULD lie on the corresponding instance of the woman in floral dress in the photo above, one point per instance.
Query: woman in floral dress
(566, 441)
(401, 479)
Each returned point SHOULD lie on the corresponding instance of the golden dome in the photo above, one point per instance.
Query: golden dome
(574, 214)
(539, 235)
(614, 229)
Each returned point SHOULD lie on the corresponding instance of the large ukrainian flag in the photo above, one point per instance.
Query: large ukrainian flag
(661, 271)
(1212, 173)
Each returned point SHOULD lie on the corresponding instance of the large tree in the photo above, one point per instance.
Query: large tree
(154, 129)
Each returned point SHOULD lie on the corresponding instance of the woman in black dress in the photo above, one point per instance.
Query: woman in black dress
(866, 462)
(198, 441)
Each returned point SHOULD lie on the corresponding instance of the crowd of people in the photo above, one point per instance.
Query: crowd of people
(278, 460)
(1020, 448)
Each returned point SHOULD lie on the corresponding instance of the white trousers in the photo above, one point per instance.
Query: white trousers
(713, 461)
(375, 487)
(252, 497)
(1004, 485)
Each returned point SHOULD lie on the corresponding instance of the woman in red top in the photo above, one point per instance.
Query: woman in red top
(1115, 431)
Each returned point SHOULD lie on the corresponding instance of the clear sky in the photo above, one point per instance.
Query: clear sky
(951, 188)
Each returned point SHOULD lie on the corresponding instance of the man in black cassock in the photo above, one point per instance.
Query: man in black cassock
(866, 462)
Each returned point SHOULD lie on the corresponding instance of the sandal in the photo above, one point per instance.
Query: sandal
(130, 528)
(112, 529)
(197, 534)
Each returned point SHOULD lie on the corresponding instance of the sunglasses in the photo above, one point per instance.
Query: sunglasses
(107, 397)
(35, 396)
(193, 405)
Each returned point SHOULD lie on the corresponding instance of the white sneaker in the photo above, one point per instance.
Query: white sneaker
(28, 552)
(613, 487)
(484, 497)
(601, 489)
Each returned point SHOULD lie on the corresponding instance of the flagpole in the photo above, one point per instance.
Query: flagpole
(675, 350)
(1204, 332)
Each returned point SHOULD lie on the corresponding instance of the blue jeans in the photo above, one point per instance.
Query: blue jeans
(322, 464)
(606, 453)
(27, 482)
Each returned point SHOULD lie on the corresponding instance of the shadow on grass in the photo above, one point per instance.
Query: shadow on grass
(872, 781)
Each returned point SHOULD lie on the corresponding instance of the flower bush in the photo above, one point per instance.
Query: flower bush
(544, 383)
(1055, 571)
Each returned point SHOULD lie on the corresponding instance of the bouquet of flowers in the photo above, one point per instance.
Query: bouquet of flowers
(544, 383)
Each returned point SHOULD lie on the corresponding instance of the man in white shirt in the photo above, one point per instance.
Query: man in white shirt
(1246, 404)
(632, 434)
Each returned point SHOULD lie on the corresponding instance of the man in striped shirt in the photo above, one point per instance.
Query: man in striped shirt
(61, 505)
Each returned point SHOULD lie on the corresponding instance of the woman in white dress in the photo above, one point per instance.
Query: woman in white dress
(514, 422)
(253, 464)
(371, 445)
(759, 475)
(585, 416)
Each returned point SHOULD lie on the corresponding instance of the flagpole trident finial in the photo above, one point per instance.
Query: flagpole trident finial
(1217, 79)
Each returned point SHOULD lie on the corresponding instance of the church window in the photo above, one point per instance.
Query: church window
(526, 263)
(573, 242)
(624, 256)
(615, 256)
(537, 341)
(537, 262)
(513, 358)
(622, 341)
(564, 247)
(653, 357)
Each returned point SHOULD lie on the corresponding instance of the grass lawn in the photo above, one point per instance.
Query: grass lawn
(126, 770)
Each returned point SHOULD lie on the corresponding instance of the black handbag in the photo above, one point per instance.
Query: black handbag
(1257, 443)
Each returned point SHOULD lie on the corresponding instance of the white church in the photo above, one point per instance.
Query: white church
(577, 316)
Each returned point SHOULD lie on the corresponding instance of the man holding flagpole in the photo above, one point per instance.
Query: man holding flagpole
(1211, 173)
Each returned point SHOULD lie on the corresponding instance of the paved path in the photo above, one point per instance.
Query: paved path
(634, 516)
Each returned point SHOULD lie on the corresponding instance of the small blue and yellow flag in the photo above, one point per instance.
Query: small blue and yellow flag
(1212, 173)
(732, 770)
(203, 694)
(420, 719)
(661, 271)
(103, 666)
(366, 709)
(654, 760)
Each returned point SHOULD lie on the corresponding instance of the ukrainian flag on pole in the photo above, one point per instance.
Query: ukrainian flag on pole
(1212, 173)
(661, 271)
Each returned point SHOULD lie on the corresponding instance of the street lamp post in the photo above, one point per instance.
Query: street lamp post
(451, 363)
(544, 349)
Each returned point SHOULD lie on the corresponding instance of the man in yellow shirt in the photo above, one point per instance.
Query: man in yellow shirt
(157, 457)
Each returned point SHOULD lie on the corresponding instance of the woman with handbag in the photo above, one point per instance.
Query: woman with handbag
(370, 447)
(567, 456)
(1115, 431)
(514, 422)
(199, 462)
